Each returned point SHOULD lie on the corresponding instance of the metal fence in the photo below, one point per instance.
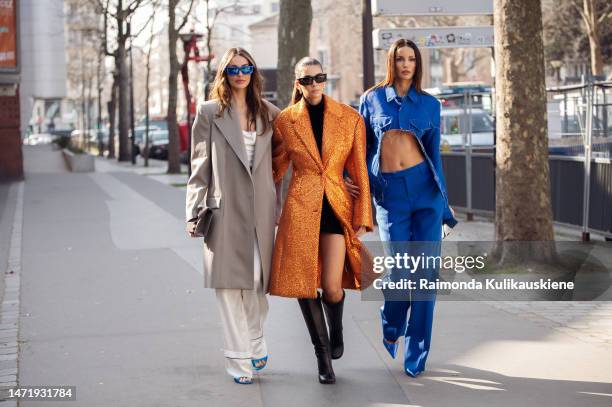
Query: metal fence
(580, 156)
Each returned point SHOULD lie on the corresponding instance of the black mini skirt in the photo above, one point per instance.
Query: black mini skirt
(329, 222)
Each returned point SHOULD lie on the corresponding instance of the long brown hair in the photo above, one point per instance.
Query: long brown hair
(391, 54)
(222, 91)
(296, 95)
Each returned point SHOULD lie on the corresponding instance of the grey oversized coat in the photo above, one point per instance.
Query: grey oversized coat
(244, 200)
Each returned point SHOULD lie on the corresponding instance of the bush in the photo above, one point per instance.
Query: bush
(66, 142)
(62, 141)
(75, 150)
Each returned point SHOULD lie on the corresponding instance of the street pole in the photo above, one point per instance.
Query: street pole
(99, 118)
(586, 191)
(133, 142)
(145, 151)
(368, 49)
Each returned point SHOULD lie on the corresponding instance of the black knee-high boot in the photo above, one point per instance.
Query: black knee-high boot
(312, 310)
(333, 312)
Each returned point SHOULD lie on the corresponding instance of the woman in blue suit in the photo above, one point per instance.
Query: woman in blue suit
(407, 182)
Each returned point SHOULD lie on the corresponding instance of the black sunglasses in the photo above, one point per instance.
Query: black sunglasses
(307, 80)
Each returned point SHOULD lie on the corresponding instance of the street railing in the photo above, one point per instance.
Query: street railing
(580, 153)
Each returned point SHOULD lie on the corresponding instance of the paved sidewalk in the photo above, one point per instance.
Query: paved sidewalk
(112, 302)
(589, 321)
(156, 170)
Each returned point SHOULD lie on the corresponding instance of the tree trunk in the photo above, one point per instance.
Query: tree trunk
(112, 109)
(124, 101)
(88, 110)
(293, 44)
(99, 90)
(145, 152)
(174, 164)
(523, 208)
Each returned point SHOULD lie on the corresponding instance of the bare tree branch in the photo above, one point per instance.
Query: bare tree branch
(221, 10)
(585, 18)
(133, 6)
(180, 27)
(607, 13)
(149, 20)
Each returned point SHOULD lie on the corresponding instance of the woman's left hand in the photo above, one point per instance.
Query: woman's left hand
(351, 187)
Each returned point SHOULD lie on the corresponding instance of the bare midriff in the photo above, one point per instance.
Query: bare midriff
(399, 150)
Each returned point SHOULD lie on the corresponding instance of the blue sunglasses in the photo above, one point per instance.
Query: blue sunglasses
(234, 70)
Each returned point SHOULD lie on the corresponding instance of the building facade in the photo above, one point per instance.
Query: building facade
(32, 73)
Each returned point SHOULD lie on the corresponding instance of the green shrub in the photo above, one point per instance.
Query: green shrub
(62, 141)
(65, 142)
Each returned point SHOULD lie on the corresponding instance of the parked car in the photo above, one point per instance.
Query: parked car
(39, 138)
(158, 144)
(454, 128)
(139, 137)
(83, 137)
(161, 123)
(452, 96)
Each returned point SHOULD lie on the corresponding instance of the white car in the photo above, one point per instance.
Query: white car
(454, 128)
(39, 138)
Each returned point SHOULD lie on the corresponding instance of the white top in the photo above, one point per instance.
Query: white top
(249, 143)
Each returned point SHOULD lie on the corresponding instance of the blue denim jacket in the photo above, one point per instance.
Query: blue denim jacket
(416, 112)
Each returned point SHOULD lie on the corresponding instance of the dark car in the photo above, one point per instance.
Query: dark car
(158, 144)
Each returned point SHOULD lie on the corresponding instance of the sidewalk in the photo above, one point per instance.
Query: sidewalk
(112, 302)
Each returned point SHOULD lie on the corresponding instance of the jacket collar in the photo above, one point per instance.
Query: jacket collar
(332, 113)
(391, 94)
(300, 109)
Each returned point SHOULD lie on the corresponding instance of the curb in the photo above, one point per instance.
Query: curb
(9, 311)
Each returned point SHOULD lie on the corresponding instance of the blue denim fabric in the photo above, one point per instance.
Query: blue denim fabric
(416, 112)
(410, 219)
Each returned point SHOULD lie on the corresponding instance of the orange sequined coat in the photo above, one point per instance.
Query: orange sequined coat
(296, 264)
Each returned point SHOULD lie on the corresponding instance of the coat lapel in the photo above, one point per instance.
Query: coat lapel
(261, 142)
(230, 128)
(331, 114)
(303, 129)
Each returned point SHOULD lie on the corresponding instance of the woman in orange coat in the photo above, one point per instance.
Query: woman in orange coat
(317, 243)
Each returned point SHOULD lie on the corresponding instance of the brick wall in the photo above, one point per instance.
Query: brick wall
(11, 156)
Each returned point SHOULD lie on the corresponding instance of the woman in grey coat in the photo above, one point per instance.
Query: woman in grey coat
(231, 186)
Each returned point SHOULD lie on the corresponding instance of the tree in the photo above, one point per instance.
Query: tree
(112, 116)
(116, 17)
(211, 18)
(523, 206)
(174, 163)
(575, 32)
(295, 19)
(145, 151)
(591, 18)
(82, 59)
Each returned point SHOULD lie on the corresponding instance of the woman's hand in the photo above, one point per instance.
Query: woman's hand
(352, 188)
(190, 228)
(361, 231)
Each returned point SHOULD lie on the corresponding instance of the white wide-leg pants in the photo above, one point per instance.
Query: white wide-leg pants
(243, 313)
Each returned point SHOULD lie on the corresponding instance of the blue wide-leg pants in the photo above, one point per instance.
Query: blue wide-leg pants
(409, 209)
